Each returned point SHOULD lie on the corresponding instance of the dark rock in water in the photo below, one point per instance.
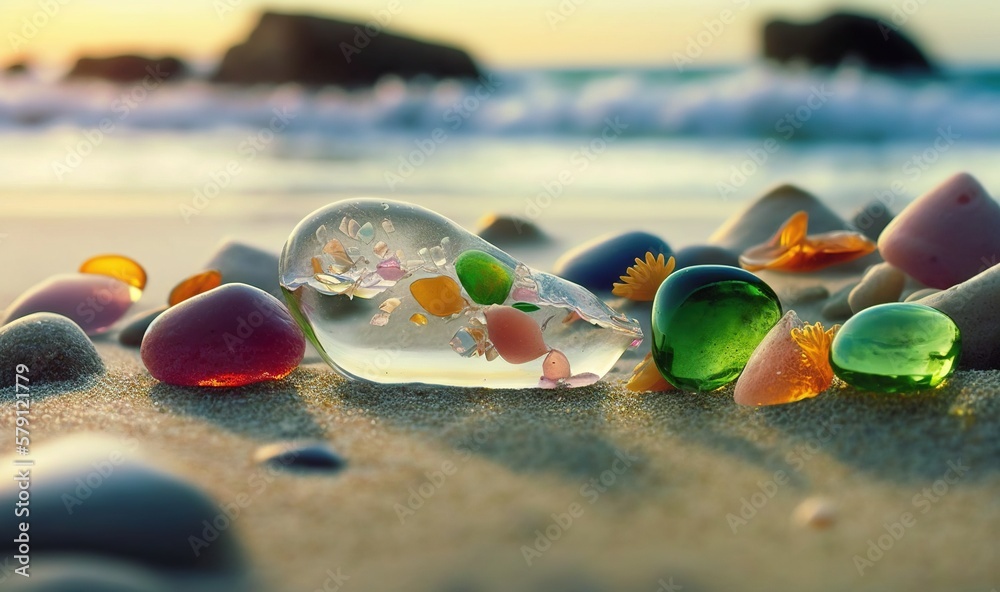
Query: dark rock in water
(973, 306)
(136, 326)
(240, 263)
(90, 495)
(845, 37)
(598, 264)
(53, 348)
(300, 456)
(501, 229)
(86, 574)
(872, 219)
(129, 68)
(705, 255)
(314, 51)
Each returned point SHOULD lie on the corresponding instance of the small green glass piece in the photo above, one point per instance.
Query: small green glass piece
(896, 348)
(484, 277)
(707, 320)
(525, 306)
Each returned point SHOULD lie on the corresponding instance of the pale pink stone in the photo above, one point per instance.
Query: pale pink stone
(946, 236)
(516, 336)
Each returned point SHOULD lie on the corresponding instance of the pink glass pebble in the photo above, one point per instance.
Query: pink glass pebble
(94, 302)
(230, 336)
(515, 334)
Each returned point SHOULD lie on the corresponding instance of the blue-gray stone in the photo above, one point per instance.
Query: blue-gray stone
(598, 264)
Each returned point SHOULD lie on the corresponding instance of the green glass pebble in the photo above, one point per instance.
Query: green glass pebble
(707, 320)
(896, 348)
(525, 306)
(484, 277)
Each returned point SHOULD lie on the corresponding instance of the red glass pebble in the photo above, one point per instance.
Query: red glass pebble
(94, 302)
(229, 336)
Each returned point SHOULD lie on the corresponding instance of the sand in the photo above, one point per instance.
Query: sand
(495, 465)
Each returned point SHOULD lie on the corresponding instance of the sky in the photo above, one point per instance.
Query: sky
(498, 33)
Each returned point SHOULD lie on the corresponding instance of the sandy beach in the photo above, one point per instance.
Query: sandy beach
(594, 488)
(163, 150)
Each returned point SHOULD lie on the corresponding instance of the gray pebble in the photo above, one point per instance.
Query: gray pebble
(90, 494)
(135, 328)
(240, 263)
(837, 307)
(53, 348)
(973, 306)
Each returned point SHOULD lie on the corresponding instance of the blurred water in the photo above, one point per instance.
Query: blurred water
(601, 145)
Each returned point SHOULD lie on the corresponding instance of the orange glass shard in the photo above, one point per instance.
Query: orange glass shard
(791, 363)
(341, 260)
(646, 378)
(441, 296)
(418, 319)
(644, 278)
(194, 285)
(791, 249)
(116, 266)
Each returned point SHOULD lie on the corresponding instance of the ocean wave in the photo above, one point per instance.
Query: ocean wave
(759, 101)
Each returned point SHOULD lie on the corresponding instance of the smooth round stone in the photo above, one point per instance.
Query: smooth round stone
(921, 294)
(501, 229)
(86, 573)
(484, 277)
(806, 294)
(91, 494)
(230, 336)
(837, 307)
(240, 263)
(973, 306)
(300, 456)
(815, 512)
(881, 284)
(598, 264)
(872, 219)
(705, 255)
(52, 347)
(135, 327)
(947, 235)
(707, 320)
(94, 302)
(895, 348)
(757, 223)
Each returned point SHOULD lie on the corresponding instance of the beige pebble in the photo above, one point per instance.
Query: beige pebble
(882, 283)
(914, 296)
(815, 512)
